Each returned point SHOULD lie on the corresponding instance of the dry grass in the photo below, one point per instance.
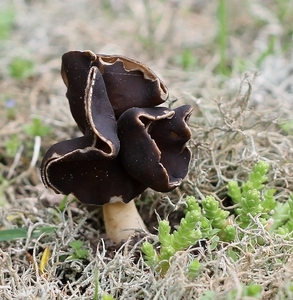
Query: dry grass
(236, 122)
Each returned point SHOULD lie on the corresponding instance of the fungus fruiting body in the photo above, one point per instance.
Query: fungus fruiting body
(129, 143)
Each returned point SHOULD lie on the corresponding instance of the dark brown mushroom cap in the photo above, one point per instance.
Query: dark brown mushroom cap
(76, 166)
(153, 145)
(89, 102)
(101, 89)
(74, 71)
(130, 83)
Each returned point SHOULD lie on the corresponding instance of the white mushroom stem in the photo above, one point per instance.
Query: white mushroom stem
(122, 220)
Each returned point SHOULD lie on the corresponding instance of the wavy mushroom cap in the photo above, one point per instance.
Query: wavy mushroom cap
(75, 69)
(128, 82)
(89, 102)
(128, 143)
(77, 166)
(153, 145)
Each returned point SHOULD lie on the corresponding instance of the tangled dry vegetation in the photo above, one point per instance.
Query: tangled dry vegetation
(239, 118)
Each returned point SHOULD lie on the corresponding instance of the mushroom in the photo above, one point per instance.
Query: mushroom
(128, 144)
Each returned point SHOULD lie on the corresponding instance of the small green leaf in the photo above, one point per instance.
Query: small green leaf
(193, 268)
(214, 241)
(107, 297)
(96, 284)
(21, 233)
(253, 290)
(76, 244)
(21, 68)
(36, 128)
(233, 254)
(187, 59)
(164, 233)
(7, 18)
(234, 191)
(287, 127)
(62, 204)
(269, 202)
(12, 145)
(79, 252)
(208, 295)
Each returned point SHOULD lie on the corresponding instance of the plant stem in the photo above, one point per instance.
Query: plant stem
(122, 220)
(222, 35)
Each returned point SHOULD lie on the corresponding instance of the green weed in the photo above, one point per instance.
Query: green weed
(268, 51)
(186, 235)
(78, 250)
(12, 145)
(22, 233)
(210, 222)
(7, 18)
(251, 291)
(222, 39)
(287, 127)
(187, 59)
(36, 128)
(105, 296)
(21, 68)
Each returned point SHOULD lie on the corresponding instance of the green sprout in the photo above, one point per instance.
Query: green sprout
(198, 223)
(105, 296)
(186, 235)
(36, 128)
(193, 268)
(187, 59)
(22, 233)
(250, 291)
(252, 198)
(214, 224)
(268, 51)
(223, 37)
(78, 250)
(7, 18)
(253, 290)
(287, 127)
(218, 219)
(286, 227)
(21, 68)
(12, 145)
